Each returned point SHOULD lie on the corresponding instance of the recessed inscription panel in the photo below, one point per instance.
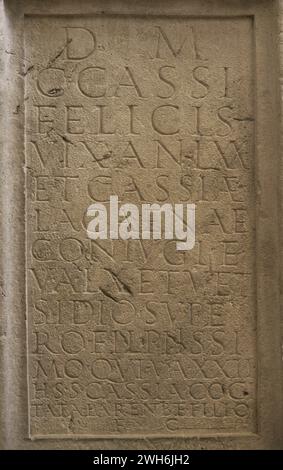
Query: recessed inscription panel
(133, 336)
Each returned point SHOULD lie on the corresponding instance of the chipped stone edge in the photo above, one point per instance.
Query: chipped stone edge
(13, 387)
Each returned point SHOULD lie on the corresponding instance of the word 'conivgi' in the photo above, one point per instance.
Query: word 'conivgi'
(131, 222)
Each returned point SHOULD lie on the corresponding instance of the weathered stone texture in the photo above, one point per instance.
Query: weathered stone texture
(171, 103)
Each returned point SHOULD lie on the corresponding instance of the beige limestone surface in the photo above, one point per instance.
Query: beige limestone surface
(131, 343)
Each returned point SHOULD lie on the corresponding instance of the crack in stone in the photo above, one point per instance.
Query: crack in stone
(51, 62)
(123, 284)
(107, 294)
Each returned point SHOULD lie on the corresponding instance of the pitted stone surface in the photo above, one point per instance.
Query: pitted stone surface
(133, 336)
(131, 343)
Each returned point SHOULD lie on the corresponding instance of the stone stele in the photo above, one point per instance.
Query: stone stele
(131, 343)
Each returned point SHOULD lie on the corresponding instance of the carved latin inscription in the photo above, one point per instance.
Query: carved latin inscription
(131, 336)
